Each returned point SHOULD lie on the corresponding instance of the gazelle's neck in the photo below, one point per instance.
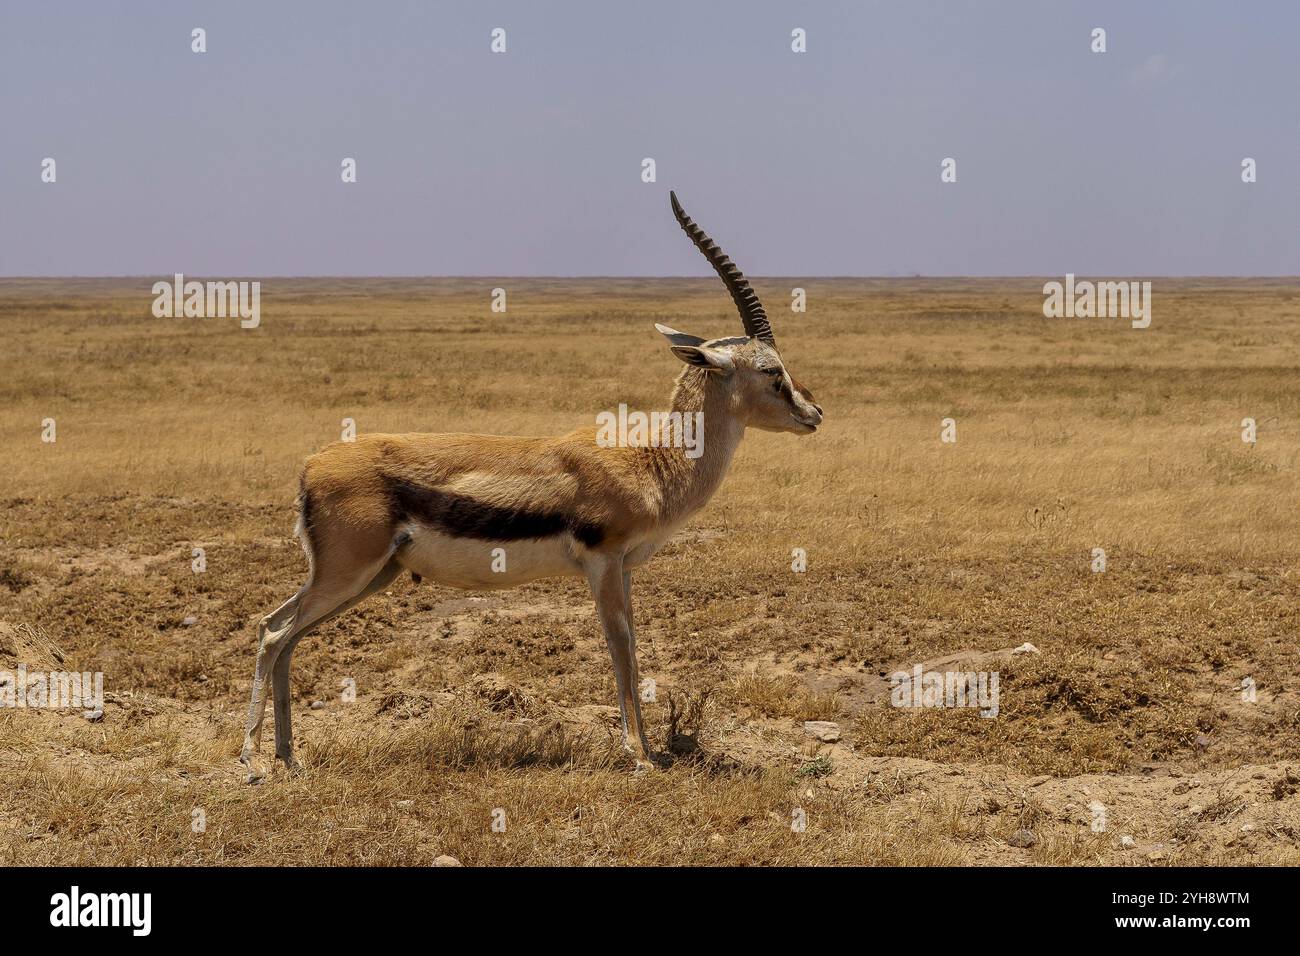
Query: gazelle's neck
(688, 483)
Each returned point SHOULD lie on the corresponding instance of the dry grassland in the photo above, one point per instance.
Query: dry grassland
(1072, 435)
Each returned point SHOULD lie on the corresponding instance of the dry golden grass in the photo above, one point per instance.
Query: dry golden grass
(783, 696)
(1072, 434)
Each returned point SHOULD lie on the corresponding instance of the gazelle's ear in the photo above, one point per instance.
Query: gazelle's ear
(678, 338)
(711, 360)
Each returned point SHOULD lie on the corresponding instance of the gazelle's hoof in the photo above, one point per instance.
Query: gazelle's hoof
(246, 758)
(292, 767)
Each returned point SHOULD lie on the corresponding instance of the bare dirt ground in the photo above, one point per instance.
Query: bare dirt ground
(176, 434)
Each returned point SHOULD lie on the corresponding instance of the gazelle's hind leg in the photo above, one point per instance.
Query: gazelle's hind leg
(280, 670)
(270, 632)
(339, 580)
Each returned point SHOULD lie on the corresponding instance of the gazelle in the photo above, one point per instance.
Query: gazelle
(439, 505)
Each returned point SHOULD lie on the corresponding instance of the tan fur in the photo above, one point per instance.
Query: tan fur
(629, 491)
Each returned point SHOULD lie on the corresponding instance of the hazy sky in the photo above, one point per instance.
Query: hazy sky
(227, 163)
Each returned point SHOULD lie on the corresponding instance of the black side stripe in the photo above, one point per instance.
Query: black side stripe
(465, 517)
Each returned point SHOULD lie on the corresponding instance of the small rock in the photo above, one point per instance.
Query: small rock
(1201, 742)
(445, 860)
(189, 621)
(203, 678)
(715, 838)
(1247, 827)
(405, 803)
(1025, 648)
(1181, 788)
(824, 730)
(94, 716)
(1022, 838)
(318, 705)
(1127, 842)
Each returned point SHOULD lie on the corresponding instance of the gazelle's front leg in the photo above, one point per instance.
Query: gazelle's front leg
(611, 590)
(636, 668)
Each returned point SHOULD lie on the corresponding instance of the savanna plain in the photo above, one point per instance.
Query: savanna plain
(1163, 689)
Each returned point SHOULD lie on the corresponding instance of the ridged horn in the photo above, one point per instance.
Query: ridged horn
(746, 299)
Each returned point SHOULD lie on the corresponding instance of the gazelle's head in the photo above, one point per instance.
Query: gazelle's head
(747, 368)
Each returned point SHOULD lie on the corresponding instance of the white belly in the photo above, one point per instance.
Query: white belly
(475, 563)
